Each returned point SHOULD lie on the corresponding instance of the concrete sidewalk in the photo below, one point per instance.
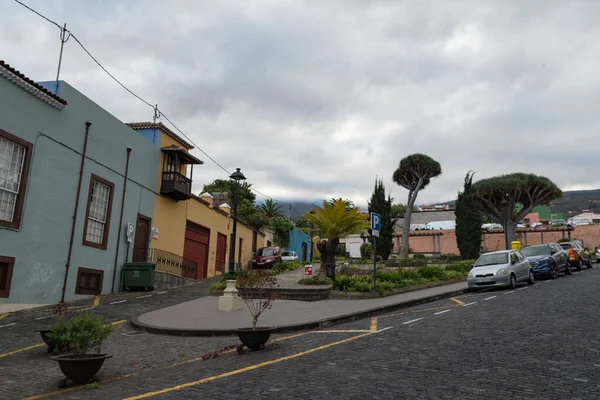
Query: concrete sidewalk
(201, 317)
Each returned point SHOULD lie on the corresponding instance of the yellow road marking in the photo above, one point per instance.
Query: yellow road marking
(2, 316)
(118, 322)
(96, 301)
(20, 350)
(61, 391)
(373, 324)
(246, 369)
(345, 331)
(116, 378)
(454, 299)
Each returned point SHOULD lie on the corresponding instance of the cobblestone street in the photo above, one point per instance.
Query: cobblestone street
(534, 342)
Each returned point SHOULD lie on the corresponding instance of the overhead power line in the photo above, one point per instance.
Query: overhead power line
(160, 113)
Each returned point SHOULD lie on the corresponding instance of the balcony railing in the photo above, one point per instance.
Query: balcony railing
(174, 264)
(176, 186)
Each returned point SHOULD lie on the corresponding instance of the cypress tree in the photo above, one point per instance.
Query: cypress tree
(383, 206)
(468, 221)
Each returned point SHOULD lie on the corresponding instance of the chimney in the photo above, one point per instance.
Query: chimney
(207, 197)
(225, 207)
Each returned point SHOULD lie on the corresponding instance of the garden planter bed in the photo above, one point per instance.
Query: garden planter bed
(338, 295)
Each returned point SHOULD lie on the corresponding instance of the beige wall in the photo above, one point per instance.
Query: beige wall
(170, 217)
(589, 234)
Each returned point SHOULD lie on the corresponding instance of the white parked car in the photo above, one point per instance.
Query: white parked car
(289, 256)
(500, 268)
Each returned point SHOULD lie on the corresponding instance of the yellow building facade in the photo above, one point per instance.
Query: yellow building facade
(187, 225)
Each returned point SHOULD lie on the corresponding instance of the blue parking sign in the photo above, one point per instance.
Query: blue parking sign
(375, 223)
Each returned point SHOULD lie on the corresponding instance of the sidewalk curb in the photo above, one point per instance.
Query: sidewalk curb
(296, 327)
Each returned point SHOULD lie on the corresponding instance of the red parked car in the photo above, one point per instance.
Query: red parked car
(266, 257)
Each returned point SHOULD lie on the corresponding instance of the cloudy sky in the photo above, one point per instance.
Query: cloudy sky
(314, 99)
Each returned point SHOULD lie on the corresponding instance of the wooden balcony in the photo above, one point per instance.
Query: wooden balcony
(176, 186)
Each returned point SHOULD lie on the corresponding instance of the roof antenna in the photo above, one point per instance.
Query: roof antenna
(156, 113)
(63, 40)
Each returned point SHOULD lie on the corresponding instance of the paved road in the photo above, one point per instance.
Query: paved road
(537, 342)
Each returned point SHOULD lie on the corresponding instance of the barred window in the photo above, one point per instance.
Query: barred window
(98, 213)
(15, 156)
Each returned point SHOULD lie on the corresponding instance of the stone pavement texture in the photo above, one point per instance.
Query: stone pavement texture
(536, 342)
(201, 316)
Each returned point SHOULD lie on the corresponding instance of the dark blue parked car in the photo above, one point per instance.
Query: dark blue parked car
(547, 259)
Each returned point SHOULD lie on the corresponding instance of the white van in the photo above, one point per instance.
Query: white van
(437, 225)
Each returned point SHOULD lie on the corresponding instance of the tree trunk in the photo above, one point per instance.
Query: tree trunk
(511, 232)
(406, 231)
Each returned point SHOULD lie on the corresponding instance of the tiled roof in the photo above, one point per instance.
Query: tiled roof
(159, 125)
(37, 86)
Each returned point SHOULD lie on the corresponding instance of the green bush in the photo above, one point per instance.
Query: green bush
(419, 257)
(286, 266)
(402, 278)
(81, 334)
(315, 281)
(366, 251)
(219, 286)
(461, 266)
(410, 262)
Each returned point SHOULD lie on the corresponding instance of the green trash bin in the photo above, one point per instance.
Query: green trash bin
(139, 275)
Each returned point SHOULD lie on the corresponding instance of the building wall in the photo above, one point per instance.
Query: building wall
(41, 244)
(170, 217)
(297, 237)
(425, 217)
(589, 234)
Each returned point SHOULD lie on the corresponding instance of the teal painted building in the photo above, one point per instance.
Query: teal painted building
(300, 243)
(49, 192)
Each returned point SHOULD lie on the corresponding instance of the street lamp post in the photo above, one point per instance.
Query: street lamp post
(310, 227)
(504, 203)
(237, 176)
(230, 301)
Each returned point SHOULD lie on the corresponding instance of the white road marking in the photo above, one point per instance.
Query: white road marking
(47, 316)
(489, 298)
(83, 309)
(411, 321)
(4, 326)
(441, 312)
(117, 302)
(581, 380)
(143, 297)
(596, 365)
(547, 281)
(161, 292)
(523, 288)
(575, 273)
(384, 329)
(469, 304)
(512, 291)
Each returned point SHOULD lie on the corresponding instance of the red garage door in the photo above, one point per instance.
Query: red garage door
(196, 247)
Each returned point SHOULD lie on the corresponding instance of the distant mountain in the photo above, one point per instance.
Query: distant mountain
(298, 208)
(571, 203)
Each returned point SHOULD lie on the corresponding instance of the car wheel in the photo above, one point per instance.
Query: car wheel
(531, 279)
(513, 281)
(553, 271)
(568, 270)
(579, 265)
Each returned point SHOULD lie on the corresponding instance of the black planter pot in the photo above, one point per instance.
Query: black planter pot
(51, 343)
(80, 369)
(254, 339)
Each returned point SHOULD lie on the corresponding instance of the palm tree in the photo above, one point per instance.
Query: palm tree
(349, 204)
(334, 221)
(271, 209)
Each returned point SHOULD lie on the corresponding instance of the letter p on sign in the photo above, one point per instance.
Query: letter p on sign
(375, 223)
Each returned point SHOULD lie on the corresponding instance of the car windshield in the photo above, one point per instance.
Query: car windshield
(565, 246)
(492, 259)
(288, 254)
(532, 251)
(265, 252)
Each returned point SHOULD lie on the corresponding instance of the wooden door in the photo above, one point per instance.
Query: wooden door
(304, 251)
(221, 252)
(141, 243)
(197, 240)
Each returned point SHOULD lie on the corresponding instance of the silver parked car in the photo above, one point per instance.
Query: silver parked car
(289, 256)
(500, 269)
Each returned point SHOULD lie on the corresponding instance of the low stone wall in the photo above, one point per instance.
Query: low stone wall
(165, 280)
(589, 234)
